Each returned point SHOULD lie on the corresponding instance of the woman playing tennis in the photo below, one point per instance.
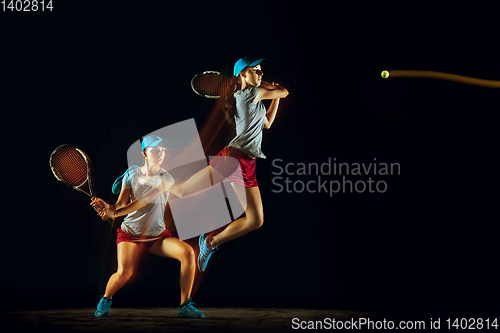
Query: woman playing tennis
(143, 196)
(245, 110)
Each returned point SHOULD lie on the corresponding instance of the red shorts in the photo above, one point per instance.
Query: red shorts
(230, 167)
(123, 237)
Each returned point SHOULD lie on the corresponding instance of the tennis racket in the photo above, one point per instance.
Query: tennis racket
(211, 84)
(72, 167)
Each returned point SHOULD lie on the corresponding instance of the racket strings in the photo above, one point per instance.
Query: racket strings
(70, 165)
(212, 84)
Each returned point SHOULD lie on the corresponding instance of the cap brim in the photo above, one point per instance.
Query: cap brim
(153, 144)
(156, 143)
(252, 64)
(256, 62)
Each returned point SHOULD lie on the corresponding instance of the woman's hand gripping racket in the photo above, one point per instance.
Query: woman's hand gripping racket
(211, 84)
(104, 210)
(72, 167)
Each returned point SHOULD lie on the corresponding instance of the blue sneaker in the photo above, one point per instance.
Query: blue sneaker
(189, 311)
(103, 307)
(205, 253)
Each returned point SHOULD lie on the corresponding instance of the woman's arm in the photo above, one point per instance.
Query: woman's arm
(99, 204)
(270, 91)
(123, 198)
(267, 91)
(271, 113)
(137, 203)
(268, 86)
(121, 208)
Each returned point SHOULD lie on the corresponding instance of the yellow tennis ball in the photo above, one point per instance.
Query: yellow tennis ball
(385, 74)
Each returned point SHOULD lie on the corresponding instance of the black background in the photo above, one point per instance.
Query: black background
(99, 76)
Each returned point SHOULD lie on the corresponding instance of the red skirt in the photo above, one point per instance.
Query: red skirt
(239, 169)
(123, 237)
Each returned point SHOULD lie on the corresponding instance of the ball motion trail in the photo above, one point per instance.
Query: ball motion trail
(441, 76)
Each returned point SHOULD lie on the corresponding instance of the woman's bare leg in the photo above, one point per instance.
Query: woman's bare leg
(201, 180)
(172, 247)
(128, 261)
(253, 220)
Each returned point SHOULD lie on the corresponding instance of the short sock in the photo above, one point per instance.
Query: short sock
(212, 249)
(185, 303)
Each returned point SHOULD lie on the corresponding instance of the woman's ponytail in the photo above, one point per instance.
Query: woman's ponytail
(228, 102)
(216, 133)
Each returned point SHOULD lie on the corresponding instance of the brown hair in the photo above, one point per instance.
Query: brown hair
(227, 103)
(219, 126)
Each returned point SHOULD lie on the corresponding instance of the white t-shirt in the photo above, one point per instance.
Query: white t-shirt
(149, 220)
(249, 120)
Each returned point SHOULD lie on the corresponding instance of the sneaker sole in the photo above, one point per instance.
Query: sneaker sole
(105, 314)
(184, 316)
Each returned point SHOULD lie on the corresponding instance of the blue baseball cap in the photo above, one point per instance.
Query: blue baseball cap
(151, 141)
(244, 63)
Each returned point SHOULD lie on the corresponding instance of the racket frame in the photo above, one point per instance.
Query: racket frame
(87, 181)
(205, 72)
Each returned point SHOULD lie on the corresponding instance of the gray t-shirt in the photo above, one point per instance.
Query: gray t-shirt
(249, 119)
(149, 220)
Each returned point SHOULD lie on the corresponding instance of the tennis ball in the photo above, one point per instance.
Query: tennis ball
(385, 74)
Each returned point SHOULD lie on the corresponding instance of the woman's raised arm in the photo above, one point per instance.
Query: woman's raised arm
(270, 91)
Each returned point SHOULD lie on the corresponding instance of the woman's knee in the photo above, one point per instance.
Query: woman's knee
(125, 274)
(257, 221)
(187, 255)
